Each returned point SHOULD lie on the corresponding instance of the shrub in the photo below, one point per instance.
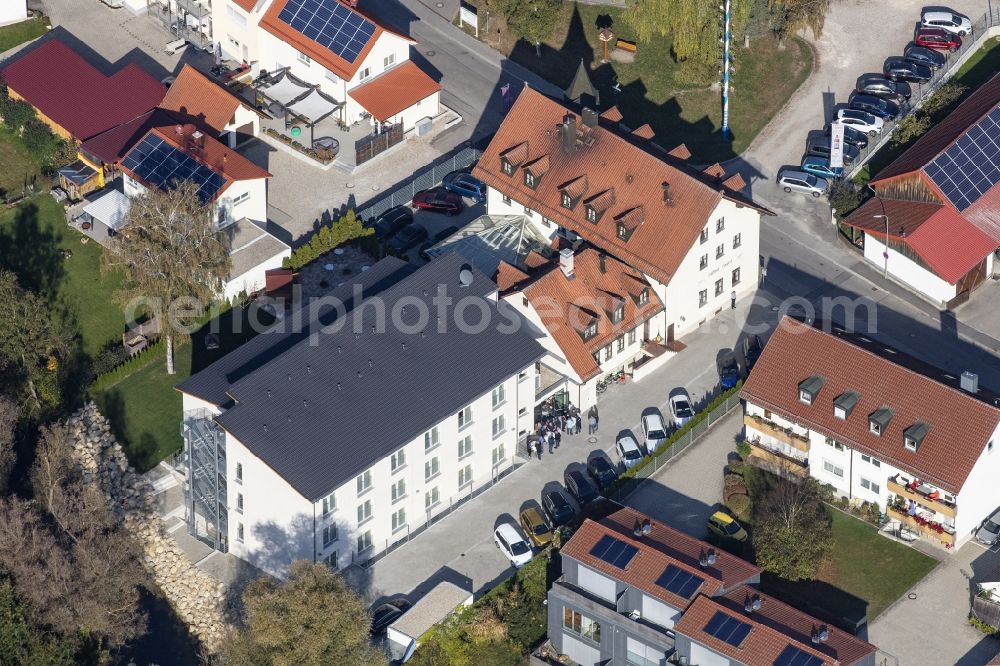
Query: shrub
(346, 228)
(844, 197)
(153, 352)
(108, 358)
(739, 504)
(733, 480)
(737, 467)
(743, 448)
(984, 627)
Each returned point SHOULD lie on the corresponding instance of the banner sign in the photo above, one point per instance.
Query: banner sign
(837, 145)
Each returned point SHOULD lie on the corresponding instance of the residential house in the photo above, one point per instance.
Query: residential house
(933, 224)
(13, 11)
(194, 98)
(634, 591)
(693, 235)
(344, 438)
(878, 426)
(352, 57)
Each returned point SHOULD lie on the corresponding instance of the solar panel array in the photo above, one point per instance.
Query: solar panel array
(793, 656)
(971, 165)
(614, 551)
(680, 582)
(727, 628)
(329, 24)
(162, 165)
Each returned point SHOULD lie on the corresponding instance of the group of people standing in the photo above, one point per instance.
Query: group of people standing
(551, 430)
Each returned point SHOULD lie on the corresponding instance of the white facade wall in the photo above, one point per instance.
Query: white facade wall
(13, 11)
(253, 206)
(920, 280)
(429, 107)
(236, 31)
(978, 498)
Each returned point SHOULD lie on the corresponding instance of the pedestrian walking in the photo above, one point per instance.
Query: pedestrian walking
(551, 441)
(558, 439)
(571, 425)
(732, 298)
(529, 449)
(592, 424)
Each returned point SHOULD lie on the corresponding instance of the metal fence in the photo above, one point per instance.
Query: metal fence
(402, 194)
(921, 91)
(687, 439)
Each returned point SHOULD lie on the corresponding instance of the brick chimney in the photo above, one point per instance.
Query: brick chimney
(568, 130)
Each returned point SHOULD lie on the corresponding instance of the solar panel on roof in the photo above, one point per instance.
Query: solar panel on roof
(613, 551)
(329, 24)
(727, 628)
(793, 656)
(679, 582)
(160, 164)
(968, 168)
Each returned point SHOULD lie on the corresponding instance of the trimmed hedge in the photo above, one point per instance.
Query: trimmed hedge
(154, 352)
(346, 228)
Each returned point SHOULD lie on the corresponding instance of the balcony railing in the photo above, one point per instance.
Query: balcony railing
(783, 435)
(928, 529)
(937, 505)
(777, 462)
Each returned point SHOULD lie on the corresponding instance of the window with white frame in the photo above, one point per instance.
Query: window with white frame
(719, 287)
(506, 199)
(431, 469)
(528, 211)
(737, 240)
(364, 73)
(720, 250)
(608, 353)
(239, 532)
(329, 534)
(870, 485)
(239, 502)
(620, 344)
(397, 460)
(364, 481)
(736, 276)
(618, 314)
(236, 16)
(704, 236)
(364, 511)
(399, 520)
(702, 298)
(464, 446)
(239, 472)
(631, 336)
(638, 653)
(432, 497)
(720, 224)
(703, 262)
(499, 425)
(465, 476)
(499, 396)
(399, 490)
(332, 561)
(581, 625)
(389, 60)
(431, 438)
(235, 43)
(304, 58)
(499, 454)
(240, 198)
(465, 417)
(329, 504)
(871, 461)
(836, 470)
(830, 441)
(364, 541)
(644, 296)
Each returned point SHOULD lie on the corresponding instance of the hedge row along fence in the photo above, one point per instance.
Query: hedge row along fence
(154, 352)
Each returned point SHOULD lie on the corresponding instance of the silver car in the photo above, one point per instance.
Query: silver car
(990, 531)
(791, 180)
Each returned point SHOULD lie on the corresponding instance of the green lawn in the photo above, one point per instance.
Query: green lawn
(20, 166)
(18, 33)
(655, 89)
(33, 236)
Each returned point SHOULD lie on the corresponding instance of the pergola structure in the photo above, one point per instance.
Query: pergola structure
(299, 101)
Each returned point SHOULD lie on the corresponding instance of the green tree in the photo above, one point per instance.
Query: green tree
(792, 530)
(24, 644)
(790, 16)
(346, 228)
(844, 197)
(173, 258)
(533, 20)
(942, 100)
(311, 619)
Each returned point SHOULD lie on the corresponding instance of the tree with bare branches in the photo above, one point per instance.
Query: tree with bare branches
(10, 413)
(173, 257)
(792, 532)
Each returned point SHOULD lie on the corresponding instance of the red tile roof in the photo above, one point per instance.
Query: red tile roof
(644, 132)
(194, 98)
(246, 5)
(610, 162)
(508, 276)
(60, 84)
(905, 216)
(566, 306)
(394, 91)
(324, 56)
(734, 183)
(110, 146)
(960, 425)
(612, 115)
(680, 151)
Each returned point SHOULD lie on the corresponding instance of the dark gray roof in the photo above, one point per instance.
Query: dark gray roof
(329, 406)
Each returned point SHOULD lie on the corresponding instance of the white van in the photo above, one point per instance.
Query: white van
(653, 431)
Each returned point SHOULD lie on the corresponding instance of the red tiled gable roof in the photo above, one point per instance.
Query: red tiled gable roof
(575, 188)
(715, 171)
(798, 626)
(612, 115)
(734, 183)
(194, 98)
(324, 56)
(534, 260)
(680, 151)
(71, 92)
(763, 645)
(246, 5)
(610, 162)
(559, 302)
(507, 276)
(110, 146)
(960, 424)
(395, 91)
(904, 216)
(538, 166)
(644, 132)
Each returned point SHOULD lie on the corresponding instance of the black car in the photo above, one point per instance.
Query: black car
(387, 613)
(580, 487)
(901, 69)
(852, 137)
(752, 347)
(407, 238)
(879, 86)
(821, 147)
(924, 56)
(557, 508)
(392, 221)
(602, 472)
(876, 106)
(434, 240)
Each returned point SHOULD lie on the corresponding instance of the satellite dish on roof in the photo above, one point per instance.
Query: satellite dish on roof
(465, 275)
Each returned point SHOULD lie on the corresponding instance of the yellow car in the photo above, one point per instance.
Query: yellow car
(723, 525)
(535, 527)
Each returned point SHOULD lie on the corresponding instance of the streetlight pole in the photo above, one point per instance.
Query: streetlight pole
(884, 216)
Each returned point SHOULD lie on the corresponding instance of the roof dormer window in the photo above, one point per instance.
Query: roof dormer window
(623, 232)
(530, 180)
(643, 296)
(878, 421)
(844, 404)
(507, 167)
(598, 204)
(567, 201)
(592, 215)
(914, 436)
(590, 331)
(618, 314)
(809, 389)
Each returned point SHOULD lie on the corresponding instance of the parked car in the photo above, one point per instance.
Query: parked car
(721, 524)
(936, 38)
(385, 614)
(407, 237)
(800, 181)
(392, 221)
(438, 200)
(465, 185)
(876, 106)
(879, 86)
(821, 146)
(580, 487)
(729, 372)
(820, 166)
(534, 525)
(852, 137)
(435, 239)
(602, 472)
(628, 451)
(654, 432)
(924, 56)
(947, 21)
(680, 407)
(752, 348)
(989, 533)
(512, 544)
(557, 508)
(901, 69)
(861, 121)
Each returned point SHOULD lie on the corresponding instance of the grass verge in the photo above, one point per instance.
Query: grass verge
(19, 33)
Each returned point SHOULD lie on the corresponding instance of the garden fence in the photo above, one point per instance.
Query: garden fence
(986, 26)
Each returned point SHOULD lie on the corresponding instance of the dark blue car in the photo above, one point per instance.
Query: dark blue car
(729, 372)
(465, 185)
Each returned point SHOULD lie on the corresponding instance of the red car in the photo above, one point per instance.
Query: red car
(936, 38)
(438, 200)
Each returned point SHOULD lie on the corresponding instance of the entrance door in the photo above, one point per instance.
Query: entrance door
(670, 334)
